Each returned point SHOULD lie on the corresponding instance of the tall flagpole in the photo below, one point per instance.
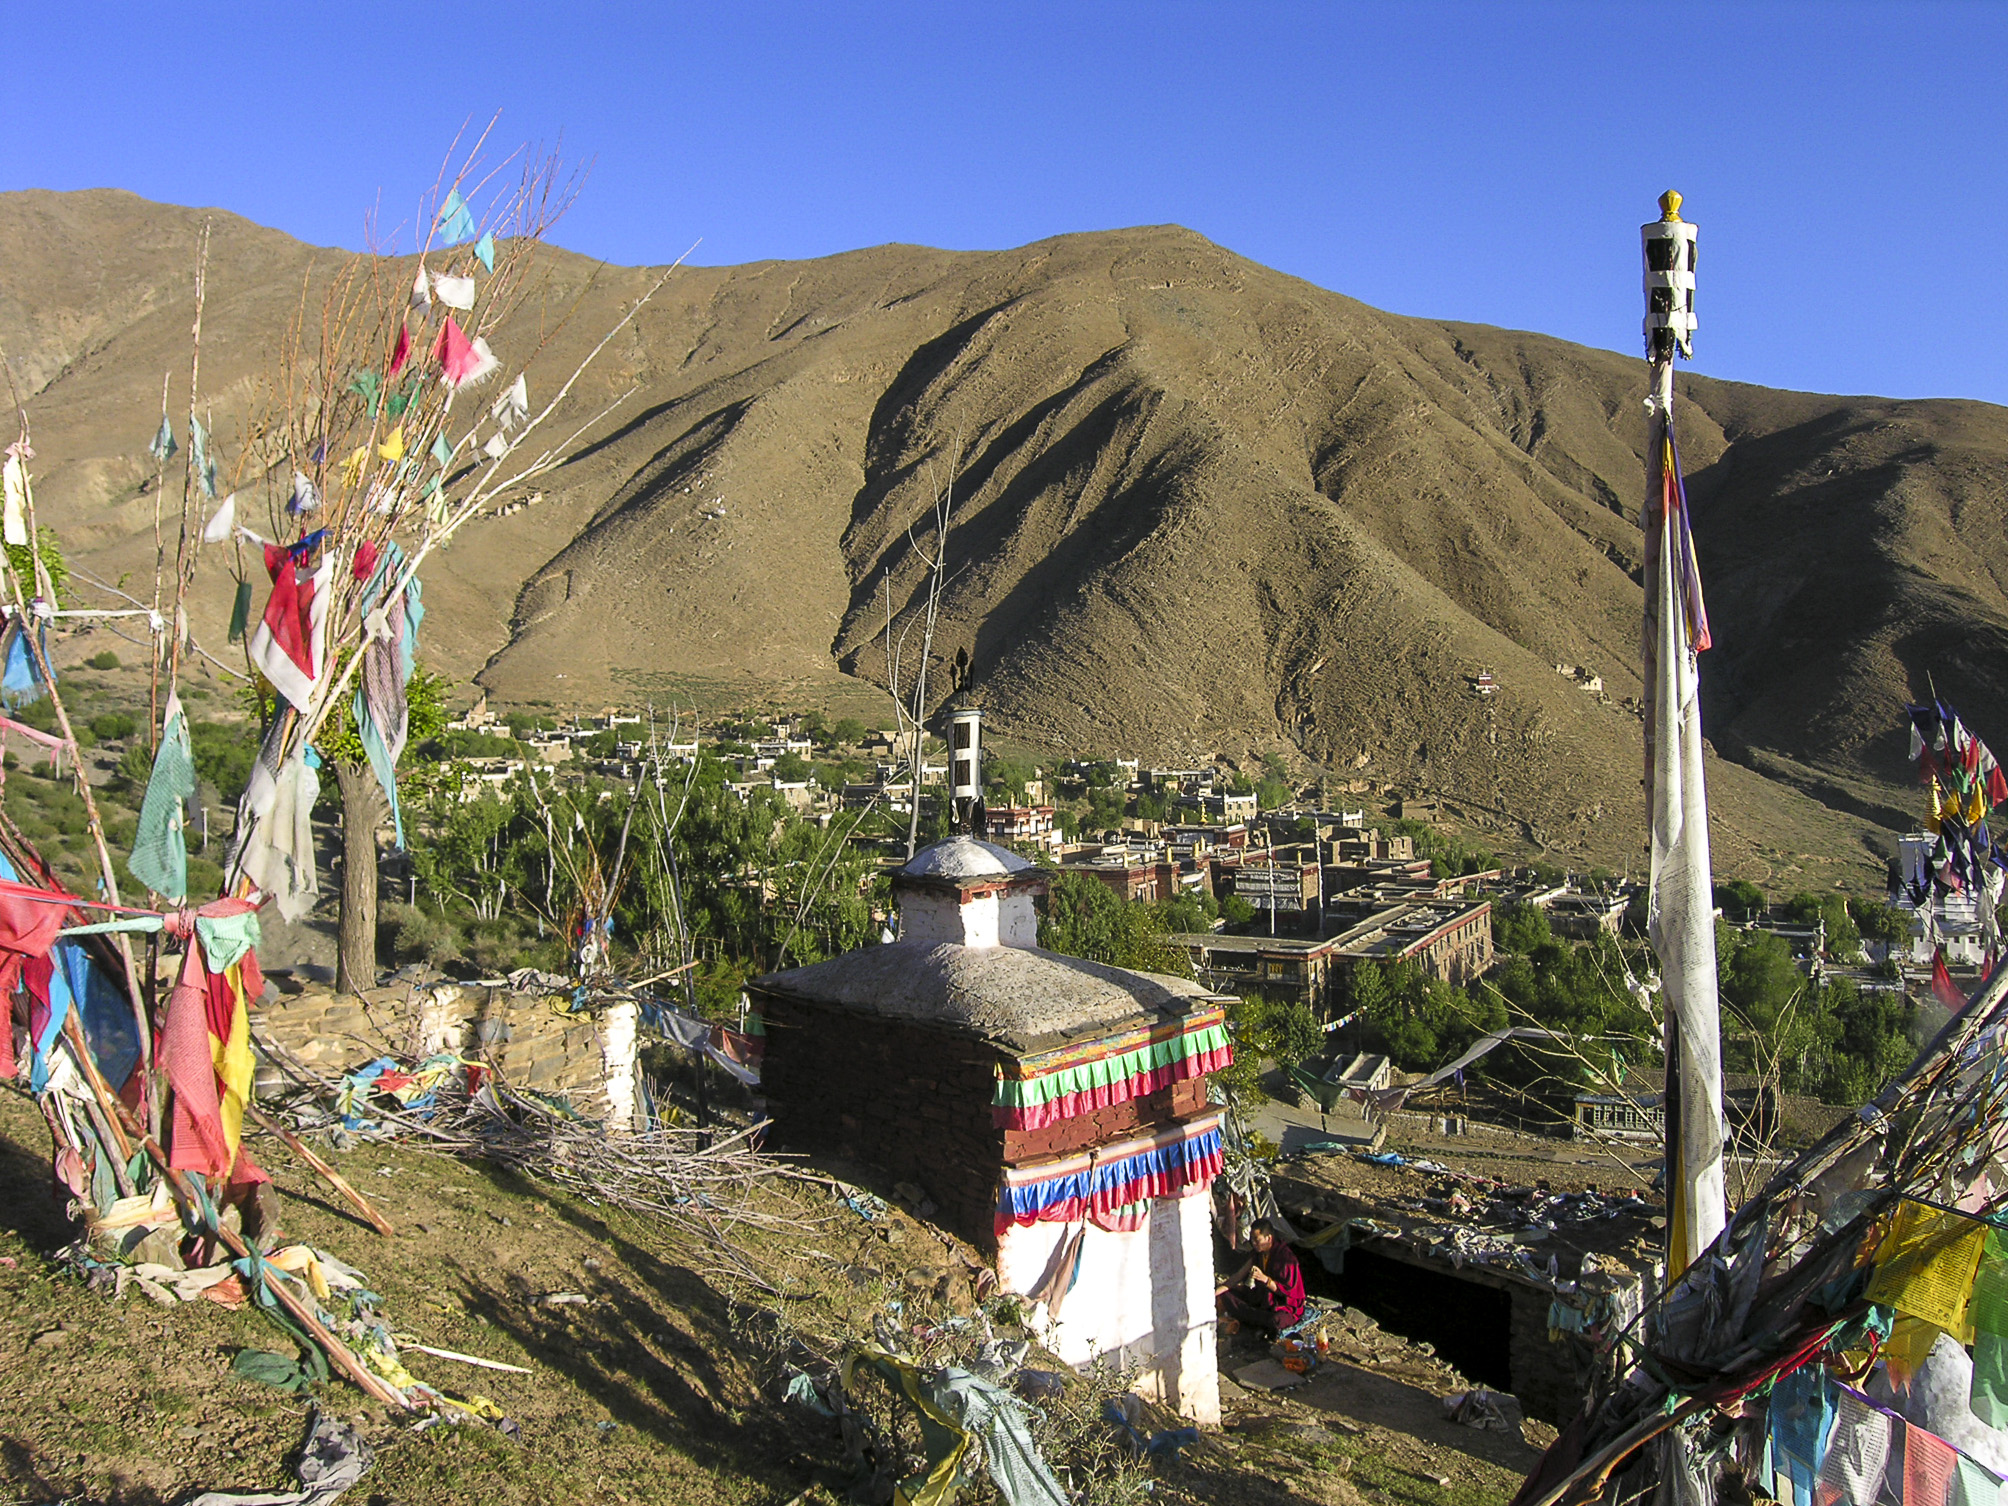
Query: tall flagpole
(1681, 912)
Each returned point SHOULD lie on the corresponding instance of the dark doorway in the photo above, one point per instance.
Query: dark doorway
(1469, 1324)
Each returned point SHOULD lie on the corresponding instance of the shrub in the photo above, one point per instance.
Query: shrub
(113, 725)
(105, 659)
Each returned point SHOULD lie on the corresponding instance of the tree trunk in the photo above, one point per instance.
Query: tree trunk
(363, 810)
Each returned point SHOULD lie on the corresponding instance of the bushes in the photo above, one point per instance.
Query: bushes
(104, 660)
(113, 725)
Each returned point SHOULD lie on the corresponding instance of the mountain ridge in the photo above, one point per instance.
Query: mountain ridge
(1200, 506)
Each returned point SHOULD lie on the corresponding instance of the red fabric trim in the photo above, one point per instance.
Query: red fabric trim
(1071, 1105)
(288, 614)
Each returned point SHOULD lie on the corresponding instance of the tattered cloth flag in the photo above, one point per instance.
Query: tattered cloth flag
(442, 450)
(159, 845)
(21, 681)
(1680, 916)
(402, 351)
(421, 290)
(14, 483)
(462, 360)
(163, 446)
(381, 712)
(275, 844)
(205, 1046)
(222, 523)
(205, 467)
(305, 499)
(513, 406)
(240, 612)
(392, 448)
(485, 249)
(454, 292)
(455, 223)
(287, 645)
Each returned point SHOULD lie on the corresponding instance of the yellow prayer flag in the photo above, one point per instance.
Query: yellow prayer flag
(1925, 1267)
(234, 1064)
(1910, 1342)
(352, 464)
(392, 447)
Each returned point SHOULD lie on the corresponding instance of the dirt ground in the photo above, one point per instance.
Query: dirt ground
(658, 1388)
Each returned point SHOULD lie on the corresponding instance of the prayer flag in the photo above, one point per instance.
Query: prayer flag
(513, 406)
(454, 292)
(160, 848)
(1680, 916)
(286, 646)
(441, 450)
(485, 249)
(305, 498)
(402, 352)
(463, 361)
(222, 522)
(392, 448)
(163, 446)
(240, 612)
(1802, 1418)
(421, 289)
(1928, 1465)
(1858, 1450)
(455, 223)
(14, 482)
(1926, 1264)
(1976, 1485)
(1943, 988)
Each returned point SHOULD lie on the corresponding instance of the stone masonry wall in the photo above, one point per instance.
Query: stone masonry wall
(911, 1101)
(588, 1060)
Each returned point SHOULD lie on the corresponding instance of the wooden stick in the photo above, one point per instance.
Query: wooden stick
(333, 1178)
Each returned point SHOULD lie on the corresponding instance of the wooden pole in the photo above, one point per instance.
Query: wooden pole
(333, 1178)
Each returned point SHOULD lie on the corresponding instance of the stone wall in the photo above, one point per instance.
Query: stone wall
(587, 1059)
(911, 1101)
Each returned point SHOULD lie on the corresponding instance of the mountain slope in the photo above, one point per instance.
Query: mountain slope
(1199, 505)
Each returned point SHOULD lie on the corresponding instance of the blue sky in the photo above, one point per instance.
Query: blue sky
(1485, 162)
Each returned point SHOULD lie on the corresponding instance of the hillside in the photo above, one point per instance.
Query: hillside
(1200, 506)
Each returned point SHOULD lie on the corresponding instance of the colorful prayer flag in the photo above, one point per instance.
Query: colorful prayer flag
(455, 223)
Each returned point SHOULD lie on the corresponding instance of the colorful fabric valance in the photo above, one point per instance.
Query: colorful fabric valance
(1105, 1184)
(1190, 1050)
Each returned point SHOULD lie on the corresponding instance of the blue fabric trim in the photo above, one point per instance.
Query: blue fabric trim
(1025, 1201)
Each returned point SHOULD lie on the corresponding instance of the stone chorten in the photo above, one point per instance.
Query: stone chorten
(1054, 1109)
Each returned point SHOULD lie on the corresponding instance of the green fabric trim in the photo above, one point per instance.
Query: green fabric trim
(1019, 1093)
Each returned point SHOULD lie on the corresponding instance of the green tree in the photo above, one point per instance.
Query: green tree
(849, 731)
(792, 768)
(1522, 928)
(1844, 940)
(1739, 899)
(1085, 919)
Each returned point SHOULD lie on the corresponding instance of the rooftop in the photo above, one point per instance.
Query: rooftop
(1019, 997)
(963, 858)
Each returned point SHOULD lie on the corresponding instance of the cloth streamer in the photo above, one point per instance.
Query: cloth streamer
(463, 361)
(455, 222)
(454, 292)
(14, 485)
(288, 645)
(160, 846)
(380, 709)
(1680, 915)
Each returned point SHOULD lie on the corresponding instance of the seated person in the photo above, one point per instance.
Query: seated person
(1267, 1293)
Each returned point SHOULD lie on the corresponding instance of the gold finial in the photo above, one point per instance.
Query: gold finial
(1669, 207)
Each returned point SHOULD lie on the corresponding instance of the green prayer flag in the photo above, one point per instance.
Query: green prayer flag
(366, 385)
(442, 451)
(1977, 1485)
(240, 612)
(1989, 1396)
(159, 849)
(1988, 1308)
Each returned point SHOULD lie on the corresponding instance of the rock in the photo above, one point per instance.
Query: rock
(51, 1338)
(924, 1278)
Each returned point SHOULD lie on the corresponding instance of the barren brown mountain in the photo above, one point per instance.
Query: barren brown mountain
(1200, 506)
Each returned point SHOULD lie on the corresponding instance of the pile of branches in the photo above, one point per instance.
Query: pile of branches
(717, 1191)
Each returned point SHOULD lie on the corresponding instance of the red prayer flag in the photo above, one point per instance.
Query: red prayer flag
(1942, 987)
